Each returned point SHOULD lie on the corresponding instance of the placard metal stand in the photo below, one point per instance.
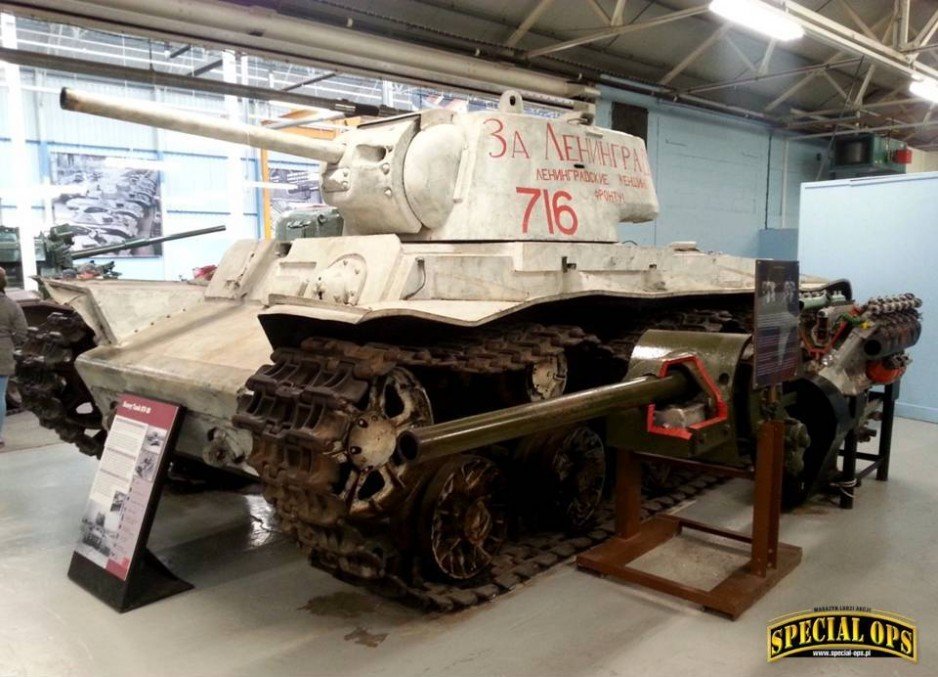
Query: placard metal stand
(111, 559)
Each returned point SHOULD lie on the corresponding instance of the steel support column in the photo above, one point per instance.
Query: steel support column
(234, 154)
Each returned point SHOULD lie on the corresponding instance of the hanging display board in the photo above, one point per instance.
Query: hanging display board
(777, 315)
(111, 559)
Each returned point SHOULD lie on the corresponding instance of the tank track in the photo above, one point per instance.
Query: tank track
(51, 387)
(300, 410)
(303, 404)
(530, 556)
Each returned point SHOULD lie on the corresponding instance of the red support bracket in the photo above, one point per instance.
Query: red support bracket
(700, 374)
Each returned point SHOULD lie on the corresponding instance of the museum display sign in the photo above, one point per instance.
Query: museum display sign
(110, 559)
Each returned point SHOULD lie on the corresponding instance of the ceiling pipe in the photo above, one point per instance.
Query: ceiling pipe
(669, 95)
(61, 64)
(910, 101)
(264, 31)
(770, 76)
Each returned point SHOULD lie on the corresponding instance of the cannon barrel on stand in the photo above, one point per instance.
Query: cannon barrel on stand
(481, 430)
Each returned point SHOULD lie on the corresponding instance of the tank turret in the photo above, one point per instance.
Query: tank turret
(438, 175)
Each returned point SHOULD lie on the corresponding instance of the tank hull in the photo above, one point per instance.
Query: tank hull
(304, 362)
(199, 345)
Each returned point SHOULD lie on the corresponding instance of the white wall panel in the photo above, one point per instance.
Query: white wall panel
(882, 234)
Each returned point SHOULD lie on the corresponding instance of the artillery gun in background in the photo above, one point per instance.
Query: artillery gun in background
(478, 269)
(11, 258)
(58, 256)
(56, 260)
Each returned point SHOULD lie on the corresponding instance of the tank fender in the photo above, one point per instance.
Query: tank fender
(117, 310)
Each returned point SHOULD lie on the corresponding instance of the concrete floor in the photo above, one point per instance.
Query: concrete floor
(258, 609)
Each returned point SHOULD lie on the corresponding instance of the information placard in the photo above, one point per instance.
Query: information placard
(110, 558)
(777, 319)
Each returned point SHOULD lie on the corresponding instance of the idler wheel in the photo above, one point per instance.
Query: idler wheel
(462, 519)
(376, 468)
(565, 471)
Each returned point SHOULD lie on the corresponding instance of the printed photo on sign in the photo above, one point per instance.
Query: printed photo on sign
(297, 189)
(106, 200)
(154, 440)
(146, 466)
(99, 528)
(777, 322)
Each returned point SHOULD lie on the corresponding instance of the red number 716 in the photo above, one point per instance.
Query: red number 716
(555, 212)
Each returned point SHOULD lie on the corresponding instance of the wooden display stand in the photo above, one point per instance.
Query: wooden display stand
(771, 561)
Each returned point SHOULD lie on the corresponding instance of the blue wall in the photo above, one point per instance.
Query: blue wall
(881, 234)
(720, 179)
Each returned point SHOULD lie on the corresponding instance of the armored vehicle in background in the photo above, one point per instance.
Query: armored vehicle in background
(478, 269)
(57, 250)
(11, 258)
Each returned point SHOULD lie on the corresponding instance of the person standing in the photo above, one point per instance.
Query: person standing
(12, 333)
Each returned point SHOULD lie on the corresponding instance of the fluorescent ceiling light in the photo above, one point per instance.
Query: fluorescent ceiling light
(759, 17)
(134, 163)
(926, 88)
(271, 185)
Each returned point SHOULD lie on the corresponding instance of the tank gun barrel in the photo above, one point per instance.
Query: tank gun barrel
(164, 117)
(143, 242)
(481, 430)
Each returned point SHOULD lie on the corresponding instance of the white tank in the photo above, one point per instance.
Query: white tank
(478, 268)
